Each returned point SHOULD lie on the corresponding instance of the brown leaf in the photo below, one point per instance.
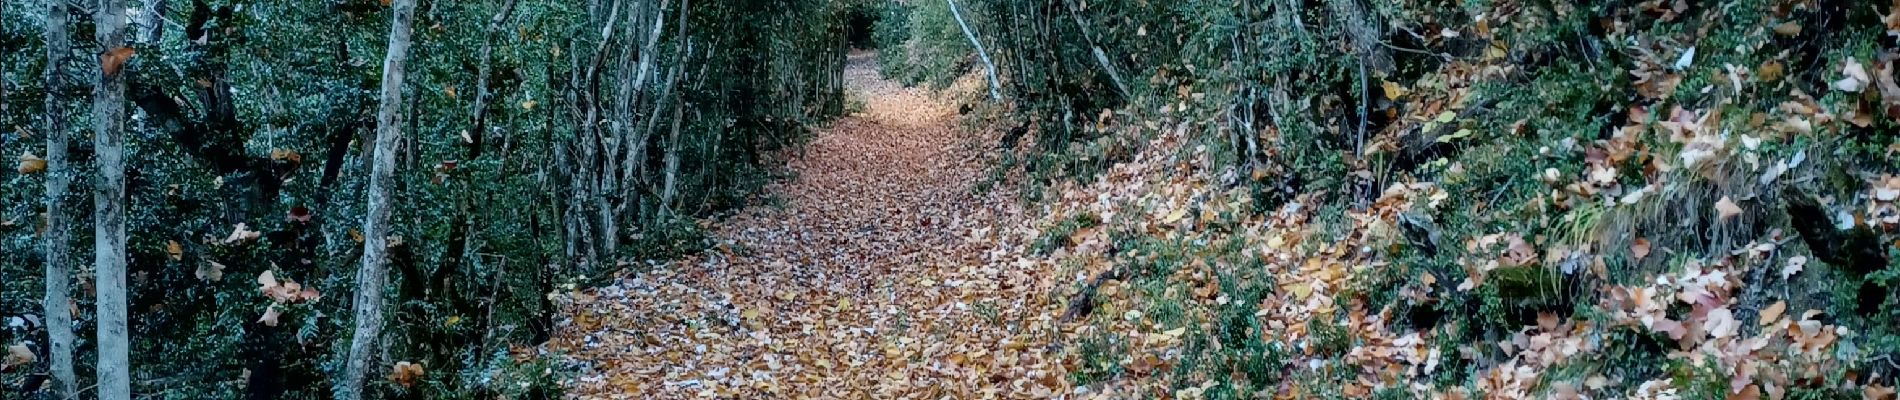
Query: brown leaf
(1770, 71)
(286, 155)
(1875, 391)
(1639, 249)
(1773, 312)
(17, 355)
(1789, 28)
(31, 164)
(112, 61)
(406, 373)
(174, 250)
(1726, 208)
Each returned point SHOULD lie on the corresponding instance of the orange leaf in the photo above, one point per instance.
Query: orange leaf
(1640, 248)
(405, 373)
(1773, 312)
(112, 61)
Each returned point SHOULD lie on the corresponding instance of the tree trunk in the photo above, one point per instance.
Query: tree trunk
(59, 180)
(671, 188)
(989, 69)
(1101, 57)
(375, 269)
(108, 139)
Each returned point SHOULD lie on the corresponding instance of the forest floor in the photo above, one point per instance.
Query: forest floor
(877, 272)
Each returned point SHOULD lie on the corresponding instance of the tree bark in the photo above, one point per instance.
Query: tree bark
(59, 180)
(1101, 57)
(108, 112)
(670, 187)
(374, 271)
(989, 68)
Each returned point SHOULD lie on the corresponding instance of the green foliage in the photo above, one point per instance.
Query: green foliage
(258, 115)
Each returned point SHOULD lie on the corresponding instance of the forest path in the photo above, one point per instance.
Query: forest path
(881, 274)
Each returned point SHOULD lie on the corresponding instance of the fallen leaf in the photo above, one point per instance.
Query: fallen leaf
(270, 315)
(1726, 208)
(1789, 28)
(1773, 313)
(1175, 216)
(31, 164)
(406, 373)
(241, 234)
(174, 250)
(1639, 248)
(212, 271)
(1854, 77)
(1875, 391)
(1793, 266)
(1392, 90)
(18, 354)
(1721, 323)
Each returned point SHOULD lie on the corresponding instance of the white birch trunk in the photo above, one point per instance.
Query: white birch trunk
(59, 180)
(371, 276)
(989, 68)
(108, 203)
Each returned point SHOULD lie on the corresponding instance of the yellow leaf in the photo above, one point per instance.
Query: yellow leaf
(1392, 90)
(750, 313)
(1460, 134)
(1300, 290)
(844, 304)
(1446, 117)
(452, 320)
(1174, 216)
(1789, 28)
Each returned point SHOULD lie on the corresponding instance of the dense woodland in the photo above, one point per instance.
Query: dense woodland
(1650, 199)
(493, 150)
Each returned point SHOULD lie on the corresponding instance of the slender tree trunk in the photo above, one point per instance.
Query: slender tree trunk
(375, 269)
(636, 144)
(989, 68)
(59, 180)
(1101, 57)
(670, 188)
(108, 140)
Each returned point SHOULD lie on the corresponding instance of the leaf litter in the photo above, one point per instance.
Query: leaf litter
(884, 276)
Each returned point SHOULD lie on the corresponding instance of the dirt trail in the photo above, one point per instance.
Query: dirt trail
(880, 274)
